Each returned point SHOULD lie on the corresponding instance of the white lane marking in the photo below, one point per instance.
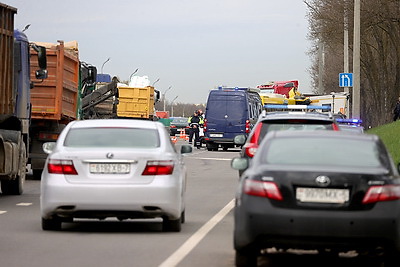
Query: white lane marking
(2, 211)
(192, 242)
(24, 204)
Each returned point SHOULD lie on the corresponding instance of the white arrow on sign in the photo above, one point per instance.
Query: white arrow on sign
(345, 76)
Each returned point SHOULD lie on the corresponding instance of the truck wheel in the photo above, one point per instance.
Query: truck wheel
(37, 174)
(16, 186)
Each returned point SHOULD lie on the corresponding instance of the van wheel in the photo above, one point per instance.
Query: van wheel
(225, 148)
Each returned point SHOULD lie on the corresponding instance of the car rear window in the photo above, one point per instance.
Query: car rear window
(112, 137)
(324, 152)
(293, 125)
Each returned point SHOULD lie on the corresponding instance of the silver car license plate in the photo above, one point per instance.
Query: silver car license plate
(322, 195)
(117, 168)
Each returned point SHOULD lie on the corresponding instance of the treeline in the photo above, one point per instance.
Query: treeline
(379, 46)
(178, 109)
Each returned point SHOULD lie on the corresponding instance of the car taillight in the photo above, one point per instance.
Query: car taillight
(58, 166)
(159, 167)
(335, 127)
(262, 189)
(380, 193)
(250, 150)
(251, 147)
(172, 126)
(205, 125)
(247, 126)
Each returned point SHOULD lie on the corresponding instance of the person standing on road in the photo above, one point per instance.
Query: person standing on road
(201, 129)
(194, 124)
(396, 110)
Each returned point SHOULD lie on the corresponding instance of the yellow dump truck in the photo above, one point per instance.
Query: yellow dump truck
(136, 102)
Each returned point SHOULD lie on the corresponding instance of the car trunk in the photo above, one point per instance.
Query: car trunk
(125, 166)
(325, 190)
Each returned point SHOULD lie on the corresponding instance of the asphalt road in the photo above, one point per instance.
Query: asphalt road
(205, 239)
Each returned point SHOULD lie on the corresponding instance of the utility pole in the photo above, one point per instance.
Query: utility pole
(321, 63)
(169, 88)
(356, 62)
(108, 59)
(346, 55)
(172, 106)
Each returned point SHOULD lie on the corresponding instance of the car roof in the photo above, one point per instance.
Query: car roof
(295, 115)
(322, 134)
(134, 123)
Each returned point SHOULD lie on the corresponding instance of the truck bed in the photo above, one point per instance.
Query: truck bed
(56, 98)
(6, 59)
(136, 102)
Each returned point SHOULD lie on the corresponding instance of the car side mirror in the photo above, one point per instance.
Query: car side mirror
(239, 139)
(240, 164)
(186, 149)
(48, 147)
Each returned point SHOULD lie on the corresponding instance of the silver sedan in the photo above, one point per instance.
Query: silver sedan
(122, 168)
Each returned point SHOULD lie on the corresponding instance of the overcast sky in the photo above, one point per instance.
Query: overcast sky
(192, 46)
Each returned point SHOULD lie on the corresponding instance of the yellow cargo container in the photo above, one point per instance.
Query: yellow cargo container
(136, 102)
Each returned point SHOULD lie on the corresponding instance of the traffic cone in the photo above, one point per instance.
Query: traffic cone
(182, 134)
(174, 139)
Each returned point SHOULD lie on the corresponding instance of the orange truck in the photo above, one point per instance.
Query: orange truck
(54, 100)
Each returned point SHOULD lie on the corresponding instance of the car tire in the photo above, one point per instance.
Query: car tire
(183, 218)
(171, 225)
(245, 258)
(392, 258)
(51, 224)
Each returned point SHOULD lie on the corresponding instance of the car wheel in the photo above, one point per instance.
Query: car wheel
(245, 258)
(51, 224)
(391, 258)
(225, 148)
(171, 225)
(183, 219)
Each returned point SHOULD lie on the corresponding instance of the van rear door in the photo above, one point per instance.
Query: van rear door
(227, 113)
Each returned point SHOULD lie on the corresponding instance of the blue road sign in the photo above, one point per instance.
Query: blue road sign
(345, 79)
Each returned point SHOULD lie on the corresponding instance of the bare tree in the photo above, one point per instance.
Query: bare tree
(380, 51)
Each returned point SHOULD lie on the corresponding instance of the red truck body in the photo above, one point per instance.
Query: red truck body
(280, 87)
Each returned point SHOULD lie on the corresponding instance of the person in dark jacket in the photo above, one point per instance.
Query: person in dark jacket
(396, 110)
(194, 123)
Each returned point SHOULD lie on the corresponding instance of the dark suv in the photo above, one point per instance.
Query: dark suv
(289, 121)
